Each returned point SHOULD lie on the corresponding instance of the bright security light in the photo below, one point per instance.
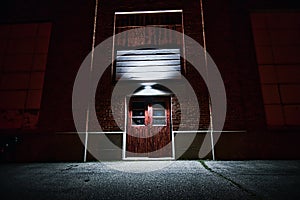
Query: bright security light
(147, 89)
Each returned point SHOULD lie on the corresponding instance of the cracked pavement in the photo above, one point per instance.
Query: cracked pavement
(151, 180)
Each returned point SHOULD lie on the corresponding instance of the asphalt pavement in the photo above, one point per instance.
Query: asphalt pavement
(151, 180)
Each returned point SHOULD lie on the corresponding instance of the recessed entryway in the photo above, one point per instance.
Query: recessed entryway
(148, 133)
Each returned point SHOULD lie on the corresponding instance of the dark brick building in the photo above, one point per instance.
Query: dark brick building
(254, 44)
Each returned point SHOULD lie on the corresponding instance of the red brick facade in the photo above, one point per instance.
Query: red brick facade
(230, 42)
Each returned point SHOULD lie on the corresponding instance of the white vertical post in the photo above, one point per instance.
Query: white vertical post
(207, 76)
(86, 134)
(183, 42)
(113, 46)
(171, 129)
(125, 129)
(212, 139)
(90, 78)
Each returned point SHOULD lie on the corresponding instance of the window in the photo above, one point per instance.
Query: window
(148, 113)
(23, 57)
(277, 43)
(148, 54)
(159, 114)
(138, 113)
(148, 64)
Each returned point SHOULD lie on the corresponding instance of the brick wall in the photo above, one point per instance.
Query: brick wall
(229, 42)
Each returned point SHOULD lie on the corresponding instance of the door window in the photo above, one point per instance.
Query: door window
(146, 113)
(138, 113)
(159, 114)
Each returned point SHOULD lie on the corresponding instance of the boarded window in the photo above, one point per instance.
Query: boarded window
(277, 43)
(148, 64)
(148, 54)
(23, 56)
